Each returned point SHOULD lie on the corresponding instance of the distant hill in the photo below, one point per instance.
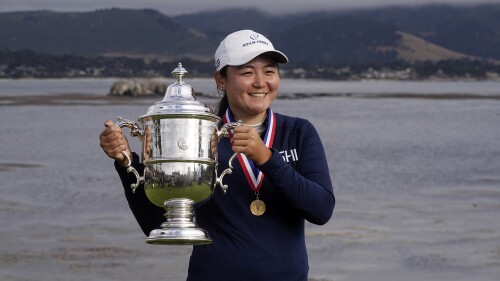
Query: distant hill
(472, 30)
(411, 48)
(217, 24)
(338, 40)
(432, 32)
(115, 32)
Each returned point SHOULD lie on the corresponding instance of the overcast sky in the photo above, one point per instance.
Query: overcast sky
(175, 7)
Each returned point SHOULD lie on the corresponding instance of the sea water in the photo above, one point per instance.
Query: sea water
(416, 179)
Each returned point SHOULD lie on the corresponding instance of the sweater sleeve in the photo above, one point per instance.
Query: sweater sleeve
(309, 188)
(148, 215)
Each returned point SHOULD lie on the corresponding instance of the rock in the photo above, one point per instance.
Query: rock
(138, 87)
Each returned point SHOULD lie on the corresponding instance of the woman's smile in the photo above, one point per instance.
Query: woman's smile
(258, 95)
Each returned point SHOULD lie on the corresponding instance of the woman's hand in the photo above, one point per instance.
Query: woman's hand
(246, 140)
(113, 142)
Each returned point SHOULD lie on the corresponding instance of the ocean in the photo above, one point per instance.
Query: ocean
(415, 168)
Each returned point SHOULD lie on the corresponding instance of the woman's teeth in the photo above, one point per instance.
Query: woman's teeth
(257, 94)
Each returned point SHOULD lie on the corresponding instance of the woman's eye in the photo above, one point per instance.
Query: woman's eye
(270, 70)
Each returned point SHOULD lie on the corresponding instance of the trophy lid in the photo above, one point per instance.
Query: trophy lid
(179, 98)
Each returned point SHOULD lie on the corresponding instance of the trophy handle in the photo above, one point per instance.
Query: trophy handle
(135, 131)
(131, 169)
(229, 170)
(224, 132)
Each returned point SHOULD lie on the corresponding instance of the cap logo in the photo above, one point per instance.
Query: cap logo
(255, 40)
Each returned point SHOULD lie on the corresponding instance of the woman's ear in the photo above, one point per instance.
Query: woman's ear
(220, 81)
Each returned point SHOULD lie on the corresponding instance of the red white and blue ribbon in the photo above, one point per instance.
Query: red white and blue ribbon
(253, 175)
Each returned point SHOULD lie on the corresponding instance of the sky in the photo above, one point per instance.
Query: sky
(176, 7)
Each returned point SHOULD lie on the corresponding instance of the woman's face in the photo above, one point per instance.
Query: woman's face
(251, 88)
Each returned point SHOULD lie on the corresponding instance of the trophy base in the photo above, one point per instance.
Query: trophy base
(178, 236)
(179, 229)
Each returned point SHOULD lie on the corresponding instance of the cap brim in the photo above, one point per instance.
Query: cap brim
(280, 57)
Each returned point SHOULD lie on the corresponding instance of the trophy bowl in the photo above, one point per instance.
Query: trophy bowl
(179, 138)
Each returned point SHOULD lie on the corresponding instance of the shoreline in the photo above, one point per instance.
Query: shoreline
(7, 167)
(93, 99)
(354, 79)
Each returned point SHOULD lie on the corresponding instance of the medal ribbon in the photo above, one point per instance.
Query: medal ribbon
(253, 175)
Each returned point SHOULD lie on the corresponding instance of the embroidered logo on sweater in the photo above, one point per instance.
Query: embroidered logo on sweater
(290, 155)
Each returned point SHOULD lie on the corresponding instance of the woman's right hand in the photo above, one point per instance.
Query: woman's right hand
(113, 142)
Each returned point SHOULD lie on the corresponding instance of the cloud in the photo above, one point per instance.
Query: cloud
(173, 7)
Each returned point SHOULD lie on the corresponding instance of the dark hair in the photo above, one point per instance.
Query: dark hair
(223, 104)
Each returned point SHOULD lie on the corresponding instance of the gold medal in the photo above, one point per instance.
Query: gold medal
(258, 207)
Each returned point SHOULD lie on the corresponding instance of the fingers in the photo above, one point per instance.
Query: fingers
(243, 129)
(113, 142)
(110, 128)
(110, 134)
(108, 123)
(146, 150)
(244, 133)
(244, 136)
(246, 140)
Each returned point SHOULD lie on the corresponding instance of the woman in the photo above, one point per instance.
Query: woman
(280, 180)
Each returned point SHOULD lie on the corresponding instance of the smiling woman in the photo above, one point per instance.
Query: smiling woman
(257, 228)
(250, 88)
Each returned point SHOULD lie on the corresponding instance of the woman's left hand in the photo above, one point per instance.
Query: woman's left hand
(246, 140)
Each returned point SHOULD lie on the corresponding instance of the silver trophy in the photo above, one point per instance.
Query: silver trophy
(179, 138)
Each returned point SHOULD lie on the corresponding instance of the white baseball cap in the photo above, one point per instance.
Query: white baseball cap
(243, 46)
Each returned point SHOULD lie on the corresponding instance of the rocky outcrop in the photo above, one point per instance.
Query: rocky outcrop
(138, 87)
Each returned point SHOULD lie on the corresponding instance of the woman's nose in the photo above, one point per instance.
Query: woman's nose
(258, 81)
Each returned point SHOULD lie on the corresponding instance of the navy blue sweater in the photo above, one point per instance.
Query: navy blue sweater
(296, 187)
